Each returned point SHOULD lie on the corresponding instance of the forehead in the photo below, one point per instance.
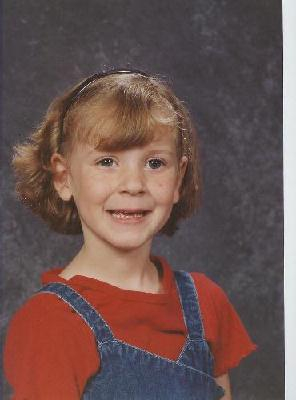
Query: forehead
(162, 141)
(111, 127)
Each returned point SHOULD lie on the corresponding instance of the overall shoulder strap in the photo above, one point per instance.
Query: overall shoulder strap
(80, 305)
(190, 305)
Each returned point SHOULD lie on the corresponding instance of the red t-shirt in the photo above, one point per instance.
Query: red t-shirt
(50, 352)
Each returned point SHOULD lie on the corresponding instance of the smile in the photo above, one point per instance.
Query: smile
(128, 215)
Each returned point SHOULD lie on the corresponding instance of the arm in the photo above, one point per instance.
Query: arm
(224, 381)
(226, 335)
(48, 351)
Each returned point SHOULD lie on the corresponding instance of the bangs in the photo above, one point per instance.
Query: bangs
(121, 121)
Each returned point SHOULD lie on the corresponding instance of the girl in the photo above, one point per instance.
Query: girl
(115, 159)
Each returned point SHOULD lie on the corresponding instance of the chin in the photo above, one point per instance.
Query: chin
(129, 244)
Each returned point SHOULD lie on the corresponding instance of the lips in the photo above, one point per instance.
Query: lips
(128, 214)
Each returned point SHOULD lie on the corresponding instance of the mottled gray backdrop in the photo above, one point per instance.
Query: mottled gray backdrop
(223, 58)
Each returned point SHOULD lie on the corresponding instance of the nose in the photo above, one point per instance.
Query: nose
(132, 181)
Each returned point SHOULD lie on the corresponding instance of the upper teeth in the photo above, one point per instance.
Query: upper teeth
(127, 214)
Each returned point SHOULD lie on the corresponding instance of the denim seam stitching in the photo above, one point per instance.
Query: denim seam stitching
(196, 370)
(181, 303)
(83, 299)
(187, 341)
(198, 306)
(188, 275)
(120, 342)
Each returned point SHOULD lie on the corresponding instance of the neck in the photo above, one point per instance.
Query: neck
(126, 269)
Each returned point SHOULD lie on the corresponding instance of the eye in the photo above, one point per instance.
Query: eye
(155, 163)
(106, 162)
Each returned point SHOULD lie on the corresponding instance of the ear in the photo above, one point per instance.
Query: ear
(181, 172)
(60, 176)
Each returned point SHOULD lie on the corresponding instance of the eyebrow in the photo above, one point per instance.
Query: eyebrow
(161, 151)
(149, 151)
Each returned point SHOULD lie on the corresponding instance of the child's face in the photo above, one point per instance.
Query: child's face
(123, 197)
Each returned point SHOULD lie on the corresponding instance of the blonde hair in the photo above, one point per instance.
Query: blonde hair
(115, 110)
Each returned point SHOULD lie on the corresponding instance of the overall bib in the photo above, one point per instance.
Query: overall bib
(131, 373)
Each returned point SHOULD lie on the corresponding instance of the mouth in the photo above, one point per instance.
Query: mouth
(128, 215)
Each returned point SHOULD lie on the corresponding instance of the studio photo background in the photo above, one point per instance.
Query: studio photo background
(224, 59)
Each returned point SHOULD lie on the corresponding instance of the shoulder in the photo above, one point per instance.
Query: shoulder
(55, 343)
(44, 317)
(209, 292)
(200, 280)
(224, 330)
(39, 309)
(216, 309)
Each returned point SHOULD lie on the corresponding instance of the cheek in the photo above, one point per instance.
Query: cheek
(89, 191)
(164, 190)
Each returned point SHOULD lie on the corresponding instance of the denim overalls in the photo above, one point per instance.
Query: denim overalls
(131, 373)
